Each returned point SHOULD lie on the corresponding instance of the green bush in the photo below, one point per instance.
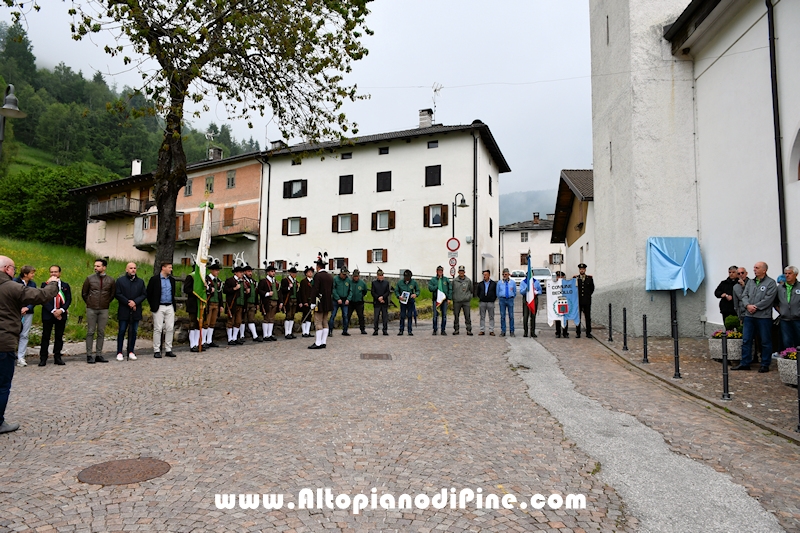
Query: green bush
(732, 324)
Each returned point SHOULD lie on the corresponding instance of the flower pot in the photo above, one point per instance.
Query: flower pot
(787, 368)
(734, 349)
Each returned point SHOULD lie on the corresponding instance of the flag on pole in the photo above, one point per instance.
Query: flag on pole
(530, 296)
(440, 297)
(199, 272)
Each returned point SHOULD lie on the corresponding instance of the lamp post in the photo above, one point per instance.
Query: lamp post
(462, 204)
(10, 109)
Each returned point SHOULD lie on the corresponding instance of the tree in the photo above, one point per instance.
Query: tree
(282, 56)
(18, 51)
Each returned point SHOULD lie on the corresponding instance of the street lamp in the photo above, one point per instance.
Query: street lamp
(10, 109)
(462, 204)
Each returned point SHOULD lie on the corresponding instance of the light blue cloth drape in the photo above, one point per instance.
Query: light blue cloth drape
(674, 263)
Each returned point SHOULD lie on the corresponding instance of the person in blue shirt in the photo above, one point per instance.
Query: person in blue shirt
(506, 292)
(527, 315)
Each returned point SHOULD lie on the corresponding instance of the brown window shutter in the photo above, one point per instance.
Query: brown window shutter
(303, 187)
(285, 229)
(391, 219)
(523, 259)
(374, 221)
(385, 255)
(287, 189)
(445, 217)
(346, 265)
(330, 264)
(187, 219)
(426, 216)
(177, 225)
(302, 226)
(369, 256)
(227, 217)
(354, 222)
(335, 223)
(153, 221)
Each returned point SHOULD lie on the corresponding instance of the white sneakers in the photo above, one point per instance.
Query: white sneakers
(132, 356)
(21, 362)
(120, 357)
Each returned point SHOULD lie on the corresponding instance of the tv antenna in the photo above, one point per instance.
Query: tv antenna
(437, 88)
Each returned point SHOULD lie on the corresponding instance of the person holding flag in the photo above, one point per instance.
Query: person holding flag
(195, 284)
(215, 303)
(192, 307)
(530, 289)
(441, 291)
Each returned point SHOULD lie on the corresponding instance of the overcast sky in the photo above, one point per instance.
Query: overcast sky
(521, 66)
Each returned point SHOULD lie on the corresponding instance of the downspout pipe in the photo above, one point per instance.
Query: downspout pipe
(776, 119)
(474, 208)
(265, 161)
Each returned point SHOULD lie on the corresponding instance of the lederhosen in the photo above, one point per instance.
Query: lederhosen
(305, 297)
(213, 290)
(269, 304)
(250, 299)
(235, 303)
(288, 296)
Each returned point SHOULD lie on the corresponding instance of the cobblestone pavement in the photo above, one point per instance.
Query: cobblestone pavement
(763, 463)
(275, 418)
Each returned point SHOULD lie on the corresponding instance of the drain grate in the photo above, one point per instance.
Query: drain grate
(376, 356)
(123, 471)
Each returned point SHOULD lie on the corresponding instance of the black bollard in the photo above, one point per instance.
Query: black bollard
(725, 394)
(644, 339)
(674, 313)
(624, 329)
(798, 395)
(610, 337)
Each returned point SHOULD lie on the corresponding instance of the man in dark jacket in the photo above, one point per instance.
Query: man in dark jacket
(381, 294)
(585, 285)
(54, 316)
(13, 296)
(192, 309)
(758, 299)
(98, 292)
(131, 294)
(487, 294)
(161, 297)
(323, 287)
(725, 294)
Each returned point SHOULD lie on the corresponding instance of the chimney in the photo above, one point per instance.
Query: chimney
(278, 145)
(536, 218)
(136, 167)
(425, 118)
(214, 153)
(551, 216)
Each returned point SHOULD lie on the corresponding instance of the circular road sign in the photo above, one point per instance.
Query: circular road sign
(452, 271)
(453, 261)
(453, 244)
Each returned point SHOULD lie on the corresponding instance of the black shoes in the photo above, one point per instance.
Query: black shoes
(42, 362)
(741, 367)
(258, 339)
(455, 332)
(57, 360)
(100, 359)
(317, 347)
(345, 334)
(444, 332)
(213, 344)
(410, 334)
(588, 336)
(435, 332)
(90, 359)
(534, 335)
(469, 334)
(195, 349)
(558, 335)
(577, 335)
(363, 332)
(157, 355)
(375, 332)
(399, 332)
(232, 343)
(169, 354)
(566, 335)
(763, 369)
(385, 332)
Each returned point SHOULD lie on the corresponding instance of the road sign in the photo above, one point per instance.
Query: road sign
(452, 254)
(452, 271)
(453, 261)
(453, 244)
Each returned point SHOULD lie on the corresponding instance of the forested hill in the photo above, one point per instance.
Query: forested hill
(75, 119)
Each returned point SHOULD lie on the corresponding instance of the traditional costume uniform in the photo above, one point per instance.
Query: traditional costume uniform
(306, 298)
(358, 290)
(341, 291)
(288, 301)
(251, 305)
(408, 308)
(585, 291)
(268, 294)
(213, 293)
(191, 308)
(323, 289)
(234, 294)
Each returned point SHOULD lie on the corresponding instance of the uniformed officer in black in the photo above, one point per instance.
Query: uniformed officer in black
(585, 291)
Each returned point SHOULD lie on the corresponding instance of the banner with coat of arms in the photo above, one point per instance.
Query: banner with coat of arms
(562, 301)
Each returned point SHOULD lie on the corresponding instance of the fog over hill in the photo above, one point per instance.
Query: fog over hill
(520, 206)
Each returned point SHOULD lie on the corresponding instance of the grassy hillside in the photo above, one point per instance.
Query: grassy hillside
(27, 158)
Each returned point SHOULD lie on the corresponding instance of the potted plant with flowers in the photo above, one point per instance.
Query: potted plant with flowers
(733, 333)
(787, 366)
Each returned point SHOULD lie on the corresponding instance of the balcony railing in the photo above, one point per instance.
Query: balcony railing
(115, 208)
(220, 228)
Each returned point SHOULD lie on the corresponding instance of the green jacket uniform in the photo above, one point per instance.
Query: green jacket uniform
(412, 287)
(213, 289)
(358, 289)
(341, 288)
(447, 288)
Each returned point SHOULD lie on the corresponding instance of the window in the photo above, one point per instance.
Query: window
(101, 232)
(340, 262)
(344, 223)
(378, 255)
(294, 226)
(210, 184)
(523, 259)
(523, 236)
(186, 261)
(280, 264)
(296, 162)
(433, 176)
(129, 230)
(491, 228)
(187, 190)
(346, 184)
(231, 179)
(383, 220)
(384, 181)
(433, 144)
(490, 185)
(295, 188)
(227, 217)
(186, 220)
(348, 155)
(383, 150)
(227, 260)
(435, 215)
(149, 222)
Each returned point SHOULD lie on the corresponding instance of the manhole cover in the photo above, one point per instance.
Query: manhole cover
(377, 356)
(123, 471)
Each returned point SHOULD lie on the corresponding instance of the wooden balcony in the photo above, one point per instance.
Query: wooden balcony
(230, 230)
(115, 208)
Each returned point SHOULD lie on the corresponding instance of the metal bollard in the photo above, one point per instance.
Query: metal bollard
(610, 337)
(674, 314)
(798, 395)
(644, 339)
(725, 394)
(624, 329)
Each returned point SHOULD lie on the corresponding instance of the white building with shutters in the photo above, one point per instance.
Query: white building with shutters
(386, 201)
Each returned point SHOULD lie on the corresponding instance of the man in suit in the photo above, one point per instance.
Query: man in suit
(487, 294)
(54, 316)
(585, 291)
(131, 294)
(161, 297)
(381, 294)
(323, 286)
